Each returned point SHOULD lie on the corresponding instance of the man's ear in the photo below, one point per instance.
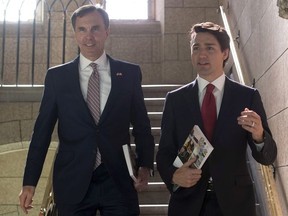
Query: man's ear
(226, 54)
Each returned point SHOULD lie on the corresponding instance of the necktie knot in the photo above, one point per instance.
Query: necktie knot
(209, 88)
(93, 65)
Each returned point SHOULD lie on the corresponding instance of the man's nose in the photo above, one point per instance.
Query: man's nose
(202, 52)
(89, 34)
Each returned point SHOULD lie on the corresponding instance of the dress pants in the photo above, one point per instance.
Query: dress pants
(210, 205)
(103, 196)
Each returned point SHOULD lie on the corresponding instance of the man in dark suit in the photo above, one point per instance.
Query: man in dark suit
(79, 188)
(223, 187)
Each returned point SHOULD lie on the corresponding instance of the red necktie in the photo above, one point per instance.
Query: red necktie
(208, 111)
(93, 102)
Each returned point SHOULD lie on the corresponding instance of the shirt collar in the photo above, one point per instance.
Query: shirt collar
(102, 61)
(218, 83)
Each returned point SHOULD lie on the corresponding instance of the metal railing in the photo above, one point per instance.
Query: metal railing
(28, 47)
(34, 45)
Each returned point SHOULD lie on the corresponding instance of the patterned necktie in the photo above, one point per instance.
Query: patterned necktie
(93, 101)
(208, 111)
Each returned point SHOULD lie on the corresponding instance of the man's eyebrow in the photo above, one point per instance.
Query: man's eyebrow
(210, 44)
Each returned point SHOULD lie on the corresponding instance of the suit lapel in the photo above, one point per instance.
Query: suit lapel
(74, 77)
(192, 101)
(225, 105)
(115, 75)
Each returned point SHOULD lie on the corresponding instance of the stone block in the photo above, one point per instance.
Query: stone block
(10, 132)
(180, 20)
(201, 3)
(177, 72)
(174, 3)
(134, 49)
(184, 52)
(15, 111)
(156, 49)
(151, 73)
(213, 15)
(170, 47)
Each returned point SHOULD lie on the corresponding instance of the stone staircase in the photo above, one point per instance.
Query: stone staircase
(154, 200)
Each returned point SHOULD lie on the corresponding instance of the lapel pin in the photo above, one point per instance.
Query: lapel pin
(118, 74)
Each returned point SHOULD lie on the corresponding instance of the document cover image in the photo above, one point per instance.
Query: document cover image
(195, 146)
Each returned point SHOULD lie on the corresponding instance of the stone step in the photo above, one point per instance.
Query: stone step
(154, 210)
(154, 104)
(155, 118)
(158, 91)
(155, 198)
(154, 193)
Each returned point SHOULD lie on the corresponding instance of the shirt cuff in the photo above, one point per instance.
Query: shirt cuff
(259, 146)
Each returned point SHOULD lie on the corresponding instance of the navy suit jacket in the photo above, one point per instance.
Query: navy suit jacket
(79, 136)
(227, 164)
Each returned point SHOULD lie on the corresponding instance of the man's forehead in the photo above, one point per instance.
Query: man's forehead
(204, 38)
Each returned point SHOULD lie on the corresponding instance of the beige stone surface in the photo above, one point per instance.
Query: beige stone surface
(134, 49)
(171, 47)
(175, 72)
(273, 97)
(156, 49)
(11, 174)
(274, 36)
(174, 3)
(180, 20)
(184, 52)
(15, 111)
(151, 73)
(10, 132)
(201, 3)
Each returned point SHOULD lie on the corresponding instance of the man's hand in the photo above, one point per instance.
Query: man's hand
(26, 198)
(142, 178)
(186, 176)
(251, 121)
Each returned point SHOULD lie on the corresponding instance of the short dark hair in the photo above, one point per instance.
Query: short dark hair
(85, 9)
(216, 30)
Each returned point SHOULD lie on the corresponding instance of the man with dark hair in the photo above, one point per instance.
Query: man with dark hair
(231, 116)
(95, 100)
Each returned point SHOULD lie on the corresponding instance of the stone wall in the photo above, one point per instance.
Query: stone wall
(264, 48)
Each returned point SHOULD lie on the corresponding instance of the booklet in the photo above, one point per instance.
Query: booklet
(195, 146)
(130, 161)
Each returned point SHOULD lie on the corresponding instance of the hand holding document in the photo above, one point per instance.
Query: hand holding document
(196, 147)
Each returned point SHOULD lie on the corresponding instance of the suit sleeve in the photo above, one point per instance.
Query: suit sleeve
(141, 125)
(168, 149)
(41, 136)
(268, 153)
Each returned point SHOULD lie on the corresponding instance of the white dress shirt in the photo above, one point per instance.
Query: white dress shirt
(104, 71)
(218, 90)
(218, 94)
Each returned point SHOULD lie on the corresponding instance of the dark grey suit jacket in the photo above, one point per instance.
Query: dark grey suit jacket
(79, 136)
(227, 164)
